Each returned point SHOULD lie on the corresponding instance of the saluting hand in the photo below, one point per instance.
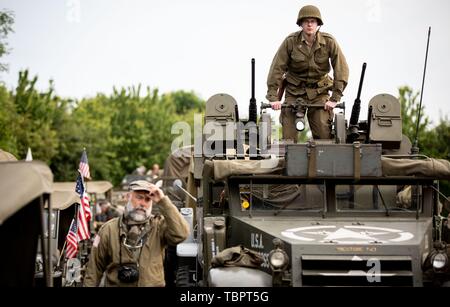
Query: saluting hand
(156, 194)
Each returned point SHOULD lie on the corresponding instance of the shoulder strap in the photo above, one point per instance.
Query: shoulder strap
(146, 232)
(120, 242)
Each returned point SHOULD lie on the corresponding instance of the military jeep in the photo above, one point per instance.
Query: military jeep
(26, 188)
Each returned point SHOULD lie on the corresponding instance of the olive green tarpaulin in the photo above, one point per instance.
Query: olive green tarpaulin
(20, 183)
(433, 168)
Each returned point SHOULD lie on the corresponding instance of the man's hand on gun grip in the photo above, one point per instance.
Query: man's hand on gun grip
(330, 105)
(276, 105)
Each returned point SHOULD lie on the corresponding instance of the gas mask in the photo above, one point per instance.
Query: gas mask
(133, 239)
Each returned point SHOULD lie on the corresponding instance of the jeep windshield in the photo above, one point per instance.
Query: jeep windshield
(304, 199)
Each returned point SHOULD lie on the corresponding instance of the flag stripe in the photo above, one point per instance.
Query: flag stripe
(84, 212)
(72, 241)
(79, 229)
(83, 230)
(84, 165)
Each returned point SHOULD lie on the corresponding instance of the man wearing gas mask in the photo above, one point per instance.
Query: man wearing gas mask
(130, 249)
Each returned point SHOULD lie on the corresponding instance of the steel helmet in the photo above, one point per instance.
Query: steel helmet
(309, 11)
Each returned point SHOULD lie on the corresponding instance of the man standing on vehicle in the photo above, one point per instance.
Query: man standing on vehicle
(130, 249)
(300, 67)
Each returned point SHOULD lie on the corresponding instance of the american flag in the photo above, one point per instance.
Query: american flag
(72, 240)
(83, 168)
(84, 212)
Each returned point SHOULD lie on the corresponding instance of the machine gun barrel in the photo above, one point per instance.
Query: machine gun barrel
(252, 109)
(357, 105)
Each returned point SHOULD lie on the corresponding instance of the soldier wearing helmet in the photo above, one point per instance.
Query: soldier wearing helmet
(300, 68)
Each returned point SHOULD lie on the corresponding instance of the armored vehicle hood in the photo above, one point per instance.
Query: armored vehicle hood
(376, 232)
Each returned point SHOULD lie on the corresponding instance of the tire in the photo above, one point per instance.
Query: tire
(182, 279)
(170, 266)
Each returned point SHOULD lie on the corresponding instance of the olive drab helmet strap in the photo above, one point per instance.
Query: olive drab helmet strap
(309, 11)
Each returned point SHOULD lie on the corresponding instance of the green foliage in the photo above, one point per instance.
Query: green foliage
(6, 22)
(306, 134)
(432, 142)
(26, 120)
(120, 132)
(410, 112)
(35, 113)
(7, 122)
(436, 144)
(185, 101)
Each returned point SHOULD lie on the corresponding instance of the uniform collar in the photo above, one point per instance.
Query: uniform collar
(319, 38)
(318, 43)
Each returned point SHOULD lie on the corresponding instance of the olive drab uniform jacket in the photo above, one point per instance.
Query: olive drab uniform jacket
(307, 68)
(169, 227)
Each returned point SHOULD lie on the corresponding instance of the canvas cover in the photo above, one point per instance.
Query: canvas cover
(177, 164)
(6, 156)
(62, 198)
(21, 182)
(221, 169)
(429, 167)
(100, 186)
(434, 168)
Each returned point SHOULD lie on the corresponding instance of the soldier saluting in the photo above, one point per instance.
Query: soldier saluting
(300, 67)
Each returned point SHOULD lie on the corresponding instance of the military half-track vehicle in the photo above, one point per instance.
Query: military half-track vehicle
(355, 210)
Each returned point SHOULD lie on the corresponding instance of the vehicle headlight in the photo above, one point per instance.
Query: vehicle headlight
(278, 259)
(439, 261)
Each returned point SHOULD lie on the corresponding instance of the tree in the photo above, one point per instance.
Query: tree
(8, 120)
(125, 130)
(185, 101)
(35, 114)
(436, 141)
(436, 144)
(6, 22)
(432, 142)
(120, 131)
(410, 113)
(26, 119)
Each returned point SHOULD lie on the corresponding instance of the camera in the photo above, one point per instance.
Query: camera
(128, 273)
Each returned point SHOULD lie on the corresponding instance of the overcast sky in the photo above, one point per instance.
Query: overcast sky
(89, 46)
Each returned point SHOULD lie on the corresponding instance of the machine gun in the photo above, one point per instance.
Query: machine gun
(252, 111)
(353, 129)
(300, 108)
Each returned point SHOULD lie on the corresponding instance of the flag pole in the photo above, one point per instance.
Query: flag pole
(62, 253)
(84, 150)
(86, 190)
(77, 209)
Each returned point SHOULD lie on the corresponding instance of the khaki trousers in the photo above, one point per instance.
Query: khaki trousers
(319, 120)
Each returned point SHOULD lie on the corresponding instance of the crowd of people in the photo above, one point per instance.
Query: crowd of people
(154, 172)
